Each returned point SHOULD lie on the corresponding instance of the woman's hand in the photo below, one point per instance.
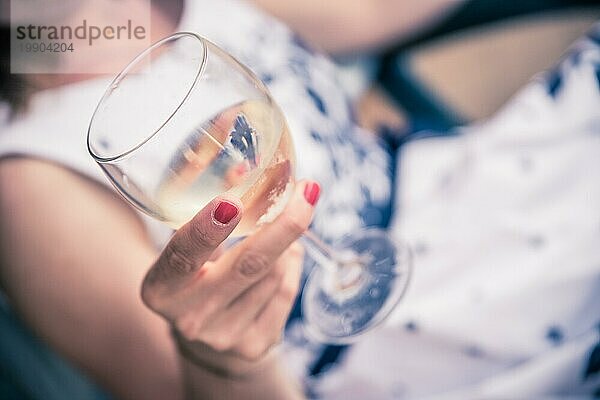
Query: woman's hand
(229, 310)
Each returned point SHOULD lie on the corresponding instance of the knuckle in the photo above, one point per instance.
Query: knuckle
(177, 260)
(252, 264)
(254, 350)
(293, 224)
(187, 328)
(202, 237)
(220, 342)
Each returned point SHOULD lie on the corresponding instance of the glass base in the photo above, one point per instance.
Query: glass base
(348, 298)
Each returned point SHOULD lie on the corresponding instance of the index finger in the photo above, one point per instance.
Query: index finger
(194, 242)
(253, 258)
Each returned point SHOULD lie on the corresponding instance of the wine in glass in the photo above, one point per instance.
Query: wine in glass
(185, 122)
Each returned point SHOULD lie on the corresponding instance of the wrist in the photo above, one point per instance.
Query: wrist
(224, 365)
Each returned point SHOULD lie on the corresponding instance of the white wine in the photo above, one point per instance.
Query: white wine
(244, 150)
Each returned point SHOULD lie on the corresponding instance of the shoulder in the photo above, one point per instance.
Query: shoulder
(44, 196)
(54, 127)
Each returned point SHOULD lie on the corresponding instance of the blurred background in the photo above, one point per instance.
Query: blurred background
(464, 67)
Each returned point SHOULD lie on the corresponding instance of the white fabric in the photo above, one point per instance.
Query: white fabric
(505, 223)
(55, 129)
(303, 84)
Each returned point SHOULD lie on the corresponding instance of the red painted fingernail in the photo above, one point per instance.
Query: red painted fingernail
(225, 212)
(312, 192)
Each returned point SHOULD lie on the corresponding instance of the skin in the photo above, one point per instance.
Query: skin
(74, 256)
(84, 300)
(346, 26)
(230, 311)
(80, 291)
(75, 295)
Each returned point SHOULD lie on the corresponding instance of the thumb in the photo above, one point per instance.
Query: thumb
(192, 245)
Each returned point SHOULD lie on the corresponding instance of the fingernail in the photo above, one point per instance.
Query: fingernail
(225, 212)
(311, 193)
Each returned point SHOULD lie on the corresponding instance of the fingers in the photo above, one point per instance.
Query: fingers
(248, 291)
(253, 258)
(266, 329)
(234, 321)
(194, 242)
(272, 239)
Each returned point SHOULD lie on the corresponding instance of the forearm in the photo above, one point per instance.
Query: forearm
(341, 26)
(74, 264)
(72, 267)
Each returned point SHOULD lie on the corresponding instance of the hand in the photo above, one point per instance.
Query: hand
(231, 307)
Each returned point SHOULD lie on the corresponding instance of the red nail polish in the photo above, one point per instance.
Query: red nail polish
(225, 212)
(312, 192)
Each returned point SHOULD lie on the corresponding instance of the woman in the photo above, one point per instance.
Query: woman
(99, 322)
(91, 313)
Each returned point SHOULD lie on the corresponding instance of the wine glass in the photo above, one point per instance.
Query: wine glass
(185, 122)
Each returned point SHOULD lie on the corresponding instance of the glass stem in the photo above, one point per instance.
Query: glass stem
(320, 251)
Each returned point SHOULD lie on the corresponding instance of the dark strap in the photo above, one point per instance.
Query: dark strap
(424, 108)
